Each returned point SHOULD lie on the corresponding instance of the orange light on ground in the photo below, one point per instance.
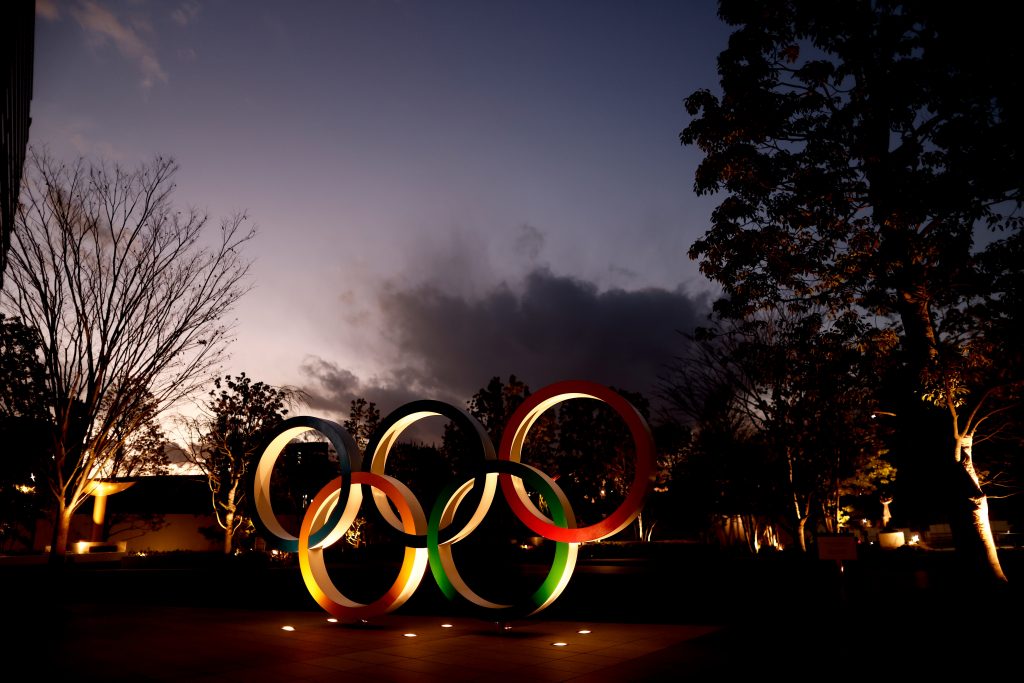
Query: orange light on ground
(584, 632)
(409, 635)
(287, 628)
(559, 644)
(446, 625)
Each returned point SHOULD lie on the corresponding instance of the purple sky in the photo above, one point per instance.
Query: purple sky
(444, 191)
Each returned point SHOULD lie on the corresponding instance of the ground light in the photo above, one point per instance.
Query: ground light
(287, 628)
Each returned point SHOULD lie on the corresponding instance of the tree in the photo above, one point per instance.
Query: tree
(798, 397)
(493, 406)
(128, 303)
(363, 420)
(234, 425)
(140, 442)
(861, 149)
(24, 430)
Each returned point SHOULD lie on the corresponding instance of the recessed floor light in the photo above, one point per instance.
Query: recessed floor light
(584, 631)
(287, 628)
(446, 625)
(559, 644)
(409, 635)
(332, 620)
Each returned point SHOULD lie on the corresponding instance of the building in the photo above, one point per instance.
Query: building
(17, 39)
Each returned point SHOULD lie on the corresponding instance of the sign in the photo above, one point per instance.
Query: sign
(838, 547)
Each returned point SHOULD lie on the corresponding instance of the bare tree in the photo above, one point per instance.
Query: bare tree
(128, 295)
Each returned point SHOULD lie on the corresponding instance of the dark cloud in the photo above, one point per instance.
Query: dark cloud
(333, 388)
(553, 328)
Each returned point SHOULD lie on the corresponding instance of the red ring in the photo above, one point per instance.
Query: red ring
(511, 449)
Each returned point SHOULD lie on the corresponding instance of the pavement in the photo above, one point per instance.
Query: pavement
(119, 643)
(118, 625)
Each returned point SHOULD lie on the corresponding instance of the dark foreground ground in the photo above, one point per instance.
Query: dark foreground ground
(671, 613)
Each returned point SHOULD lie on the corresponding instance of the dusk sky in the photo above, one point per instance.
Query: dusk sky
(444, 191)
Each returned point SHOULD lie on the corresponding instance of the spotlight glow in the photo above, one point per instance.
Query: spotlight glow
(287, 628)
(409, 635)
(584, 631)
(559, 644)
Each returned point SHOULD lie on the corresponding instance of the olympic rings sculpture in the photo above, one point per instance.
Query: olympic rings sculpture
(429, 539)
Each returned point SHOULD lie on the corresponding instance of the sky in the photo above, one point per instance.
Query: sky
(444, 192)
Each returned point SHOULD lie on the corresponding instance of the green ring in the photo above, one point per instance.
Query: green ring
(562, 565)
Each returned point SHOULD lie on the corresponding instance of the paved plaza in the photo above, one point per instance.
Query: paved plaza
(115, 625)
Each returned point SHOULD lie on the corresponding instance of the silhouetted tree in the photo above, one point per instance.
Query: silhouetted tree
(225, 440)
(127, 302)
(861, 148)
(802, 394)
(493, 405)
(24, 430)
(363, 420)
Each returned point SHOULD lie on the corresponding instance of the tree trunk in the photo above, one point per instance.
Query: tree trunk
(801, 535)
(61, 528)
(229, 521)
(976, 541)
(973, 506)
(228, 532)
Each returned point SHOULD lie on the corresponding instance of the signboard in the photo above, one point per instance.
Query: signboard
(839, 547)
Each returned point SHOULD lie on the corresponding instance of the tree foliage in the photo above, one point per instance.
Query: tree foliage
(24, 431)
(363, 420)
(225, 439)
(782, 413)
(869, 158)
(128, 296)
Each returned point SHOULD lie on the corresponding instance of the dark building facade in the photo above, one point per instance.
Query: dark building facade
(17, 38)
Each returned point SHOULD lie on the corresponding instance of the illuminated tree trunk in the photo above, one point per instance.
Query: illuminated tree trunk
(229, 520)
(977, 510)
(971, 501)
(801, 537)
(799, 511)
(61, 528)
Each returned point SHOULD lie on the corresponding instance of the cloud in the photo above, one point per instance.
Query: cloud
(79, 134)
(102, 26)
(47, 9)
(530, 241)
(552, 328)
(186, 13)
(332, 388)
